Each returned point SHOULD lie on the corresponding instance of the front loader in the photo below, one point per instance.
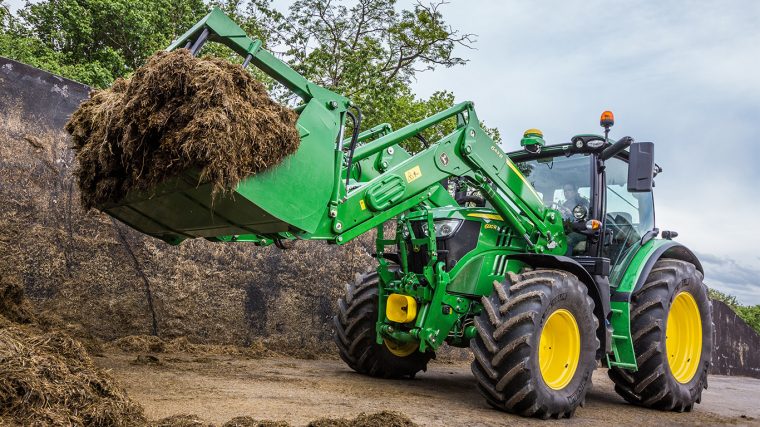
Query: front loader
(542, 261)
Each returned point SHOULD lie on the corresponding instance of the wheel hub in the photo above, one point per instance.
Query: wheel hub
(683, 337)
(559, 349)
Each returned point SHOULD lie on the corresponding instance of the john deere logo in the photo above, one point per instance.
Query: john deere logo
(444, 159)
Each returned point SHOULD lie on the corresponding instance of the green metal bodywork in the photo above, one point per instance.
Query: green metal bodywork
(623, 279)
(306, 197)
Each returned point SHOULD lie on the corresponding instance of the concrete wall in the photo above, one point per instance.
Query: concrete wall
(39, 93)
(737, 345)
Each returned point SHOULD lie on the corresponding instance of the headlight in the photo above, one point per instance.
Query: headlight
(446, 227)
(580, 212)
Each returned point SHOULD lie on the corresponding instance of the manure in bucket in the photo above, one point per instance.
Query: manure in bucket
(177, 113)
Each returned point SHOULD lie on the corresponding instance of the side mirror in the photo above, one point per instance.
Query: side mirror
(641, 167)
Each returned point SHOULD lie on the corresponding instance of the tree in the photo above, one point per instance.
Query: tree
(368, 51)
(118, 33)
(5, 16)
(96, 41)
(31, 51)
(365, 49)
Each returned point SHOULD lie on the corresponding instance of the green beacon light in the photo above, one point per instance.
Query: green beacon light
(533, 140)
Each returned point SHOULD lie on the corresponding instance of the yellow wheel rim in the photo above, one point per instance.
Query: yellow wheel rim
(683, 337)
(559, 349)
(401, 350)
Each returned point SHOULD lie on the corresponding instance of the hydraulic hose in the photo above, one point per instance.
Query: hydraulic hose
(422, 140)
(357, 121)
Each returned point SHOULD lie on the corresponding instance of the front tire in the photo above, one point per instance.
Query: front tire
(671, 326)
(536, 345)
(355, 335)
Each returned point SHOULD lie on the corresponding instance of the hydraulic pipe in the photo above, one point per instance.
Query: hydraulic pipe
(199, 43)
(383, 129)
(408, 131)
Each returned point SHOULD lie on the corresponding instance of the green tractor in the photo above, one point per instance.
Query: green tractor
(542, 261)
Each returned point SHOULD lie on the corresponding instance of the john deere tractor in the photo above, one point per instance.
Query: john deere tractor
(543, 261)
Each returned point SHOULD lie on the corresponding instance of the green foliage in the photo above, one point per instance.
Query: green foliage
(94, 41)
(5, 16)
(120, 34)
(748, 313)
(33, 52)
(727, 299)
(365, 49)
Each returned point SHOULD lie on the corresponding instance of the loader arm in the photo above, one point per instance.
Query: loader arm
(308, 196)
(467, 152)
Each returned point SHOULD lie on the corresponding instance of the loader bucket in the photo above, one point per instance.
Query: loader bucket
(289, 197)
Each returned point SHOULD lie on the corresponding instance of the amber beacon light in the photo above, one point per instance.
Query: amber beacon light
(607, 119)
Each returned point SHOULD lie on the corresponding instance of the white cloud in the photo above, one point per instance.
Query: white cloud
(681, 74)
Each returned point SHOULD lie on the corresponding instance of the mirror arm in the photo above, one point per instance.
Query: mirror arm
(617, 147)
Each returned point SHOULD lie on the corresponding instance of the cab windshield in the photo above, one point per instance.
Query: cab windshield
(562, 182)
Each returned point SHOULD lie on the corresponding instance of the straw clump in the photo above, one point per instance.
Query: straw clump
(377, 419)
(177, 113)
(154, 344)
(47, 377)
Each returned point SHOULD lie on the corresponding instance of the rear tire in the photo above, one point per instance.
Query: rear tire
(512, 372)
(668, 383)
(355, 335)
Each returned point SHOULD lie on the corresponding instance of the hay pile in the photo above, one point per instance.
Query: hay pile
(195, 421)
(47, 377)
(14, 308)
(377, 419)
(175, 113)
(154, 344)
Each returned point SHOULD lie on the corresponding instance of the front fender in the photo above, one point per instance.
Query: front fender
(598, 290)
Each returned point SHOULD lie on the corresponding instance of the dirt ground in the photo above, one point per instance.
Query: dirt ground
(218, 388)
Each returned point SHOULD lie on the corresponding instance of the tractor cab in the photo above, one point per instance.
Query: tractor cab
(597, 188)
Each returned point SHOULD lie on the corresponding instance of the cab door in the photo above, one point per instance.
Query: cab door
(628, 215)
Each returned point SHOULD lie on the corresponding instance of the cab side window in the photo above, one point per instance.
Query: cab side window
(629, 215)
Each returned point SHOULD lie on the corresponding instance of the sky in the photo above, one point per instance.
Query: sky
(682, 74)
